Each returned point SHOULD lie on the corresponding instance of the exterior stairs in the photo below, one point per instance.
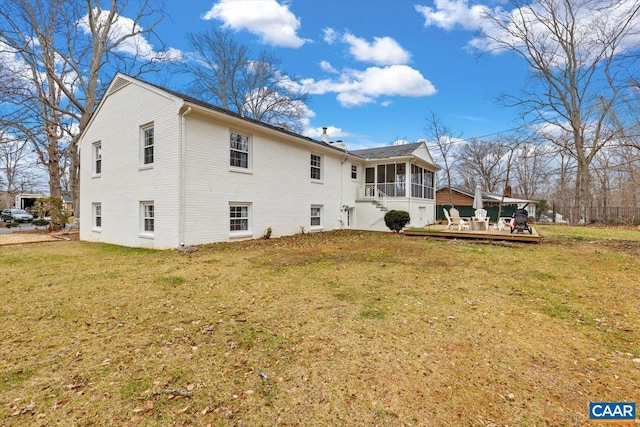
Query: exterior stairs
(380, 206)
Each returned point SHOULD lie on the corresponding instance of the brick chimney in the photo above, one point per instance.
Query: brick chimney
(507, 191)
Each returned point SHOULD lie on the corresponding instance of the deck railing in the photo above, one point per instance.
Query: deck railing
(373, 191)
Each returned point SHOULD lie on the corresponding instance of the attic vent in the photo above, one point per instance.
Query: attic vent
(118, 84)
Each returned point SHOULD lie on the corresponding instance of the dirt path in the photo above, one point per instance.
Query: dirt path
(19, 238)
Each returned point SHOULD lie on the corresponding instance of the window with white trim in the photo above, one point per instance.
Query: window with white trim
(148, 144)
(354, 171)
(239, 217)
(148, 217)
(239, 150)
(97, 157)
(422, 182)
(316, 166)
(316, 215)
(97, 215)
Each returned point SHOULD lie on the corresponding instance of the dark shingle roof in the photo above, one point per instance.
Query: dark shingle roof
(209, 106)
(403, 150)
(391, 151)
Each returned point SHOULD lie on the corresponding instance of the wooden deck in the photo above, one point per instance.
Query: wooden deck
(438, 230)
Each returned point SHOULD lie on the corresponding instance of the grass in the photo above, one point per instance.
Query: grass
(339, 328)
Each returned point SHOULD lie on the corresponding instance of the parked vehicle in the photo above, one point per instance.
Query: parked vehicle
(17, 215)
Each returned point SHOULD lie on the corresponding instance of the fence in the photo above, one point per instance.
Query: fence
(609, 215)
(612, 215)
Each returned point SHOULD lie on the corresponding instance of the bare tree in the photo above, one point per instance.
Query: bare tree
(618, 171)
(482, 162)
(16, 165)
(60, 49)
(226, 74)
(444, 139)
(573, 48)
(532, 168)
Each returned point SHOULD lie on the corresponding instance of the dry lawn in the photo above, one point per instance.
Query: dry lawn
(339, 328)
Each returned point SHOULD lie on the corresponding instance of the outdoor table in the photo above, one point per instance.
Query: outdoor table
(478, 224)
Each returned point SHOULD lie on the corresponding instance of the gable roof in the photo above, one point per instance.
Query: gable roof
(489, 197)
(120, 80)
(417, 150)
(403, 150)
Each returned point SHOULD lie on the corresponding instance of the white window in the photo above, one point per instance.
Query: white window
(239, 150)
(316, 167)
(354, 172)
(316, 216)
(239, 219)
(148, 144)
(148, 217)
(97, 215)
(97, 157)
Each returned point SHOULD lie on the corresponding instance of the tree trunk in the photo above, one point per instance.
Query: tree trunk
(583, 190)
(53, 167)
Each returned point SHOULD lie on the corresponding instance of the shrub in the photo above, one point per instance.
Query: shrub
(40, 222)
(54, 207)
(396, 220)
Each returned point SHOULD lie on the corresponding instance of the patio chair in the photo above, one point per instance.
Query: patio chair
(481, 214)
(449, 220)
(460, 222)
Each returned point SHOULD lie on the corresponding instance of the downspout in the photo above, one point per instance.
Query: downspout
(341, 217)
(183, 133)
(409, 190)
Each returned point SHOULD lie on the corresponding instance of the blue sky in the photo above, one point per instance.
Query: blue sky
(375, 68)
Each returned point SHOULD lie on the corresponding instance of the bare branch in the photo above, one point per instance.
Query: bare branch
(225, 73)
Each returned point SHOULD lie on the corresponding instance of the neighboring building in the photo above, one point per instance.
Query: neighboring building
(67, 204)
(463, 197)
(26, 200)
(160, 169)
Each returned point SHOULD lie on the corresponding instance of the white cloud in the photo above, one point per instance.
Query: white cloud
(382, 51)
(329, 35)
(272, 22)
(134, 45)
(15, 70)
(447, 14)
(326, 66)
(13, 65)
(593, 20)
(355, 87)
(391, 77)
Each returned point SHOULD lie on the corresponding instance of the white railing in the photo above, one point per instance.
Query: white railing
(372, 191)
(391, 189)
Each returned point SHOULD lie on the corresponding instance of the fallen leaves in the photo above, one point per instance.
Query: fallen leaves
(24, 410)
(173, 392)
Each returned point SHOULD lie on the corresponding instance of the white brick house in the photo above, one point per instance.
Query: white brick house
(160, 169)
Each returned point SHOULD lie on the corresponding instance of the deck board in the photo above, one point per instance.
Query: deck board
(491, 234)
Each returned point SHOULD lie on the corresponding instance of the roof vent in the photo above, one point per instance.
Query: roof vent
(118, 84)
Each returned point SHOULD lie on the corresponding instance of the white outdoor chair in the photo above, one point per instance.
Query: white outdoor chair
(481, 214)
(460, 222)
(449, 220)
